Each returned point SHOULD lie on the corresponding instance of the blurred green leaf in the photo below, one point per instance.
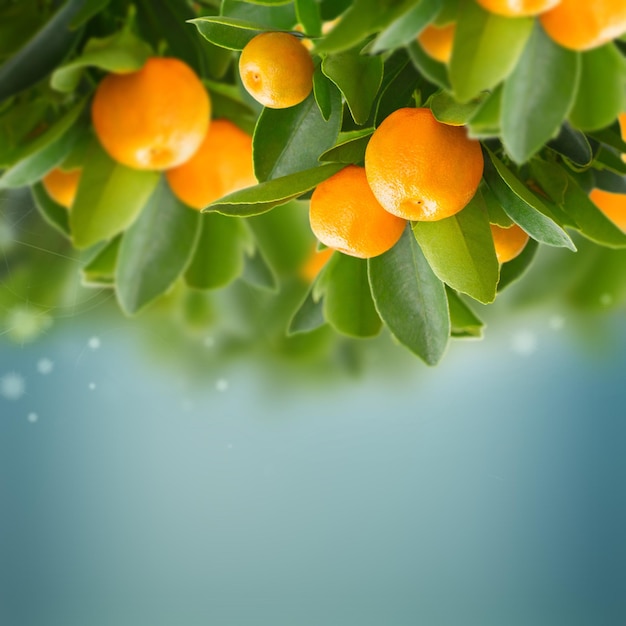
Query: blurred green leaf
(602, 87)
(308, 14)
(109, 198)
(410, 299)
(538, 95)
(155, 250)
(99, 271)
(219, 254)
(227, 32)
(348, 304)
(290, 140)
(265, 196)
(460, 250)
(515, 268)
(53, 213)
(486, 49)
(358, 77)
(463, 321)
(308, 316)
(258, 272)
(435, 72)
(89, 9)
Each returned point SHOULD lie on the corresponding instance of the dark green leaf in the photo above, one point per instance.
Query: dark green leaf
(463, 321)
(109, 198)
(533, 108)
(460, 250)
(358, 77)
(309, 315)
(53, 213)
(258, 272)
(350, 147)
(155, 250)
(573, 145)
(322, 91)
(600, 97)
(515, 268)
(435, 72)
(227, 32)
(99, 271)
(348, 304)
(290, 140)
(410, 299)
(265, 196)
(218, 257)
(400, 82)
(486, 49)
(89, 9)
(609, 181)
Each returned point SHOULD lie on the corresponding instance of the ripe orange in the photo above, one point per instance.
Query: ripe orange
(517, 8)
(421, 169)
(276, 70)
(222, 164)
(585, 24)
(345, 215)
(508, 242)
(152, 119)
(613, 205)
(437, 41)
(314, 264)
(61, 185)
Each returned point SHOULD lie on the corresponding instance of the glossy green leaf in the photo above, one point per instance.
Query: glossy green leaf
(400, 82)
(538, 95)
(119, 53)
(601, 93)
(404, 29)
(447, 110)
(410, 299)
(486, 49)
(227, 32)
(290, 140)
(497, 215)
(460, 251)
(463, 321)
(358, 77)
(522, 206)
(322, 92)
(43, 52)
(350, 148)
(155, 250)
(53, 213)
(271, 15)
(573, 145)
(258, 272)
(348, 304)
(219, 254)
(99, 271)
(109, 198)
(308, 14)
(435, 72)
(485, 122)
(308, 316)
(265, 196)
(515, 268)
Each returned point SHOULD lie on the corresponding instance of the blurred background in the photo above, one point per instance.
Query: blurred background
(160, 472)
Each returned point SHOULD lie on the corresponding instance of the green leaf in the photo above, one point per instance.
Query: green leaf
(308, 14)
(350, 148)
(227, 32)
(258, 272)
(348, 304)
(447, 110)
(486, 120)
(600, 98)
(155, 250)
(515, 268)
(486, 49)
(218, 257)
(404, 30)
(308, 316)
(358, 77)
(89, 9)
(410, 299)
(53, 213)
(609, 181)
(109, 198)
(265, 196)
(573, 145)
(289, 140)
(45, 51)
(99, 271)
(460, 250)
(463, 321)
(119, 53)
(400, 82)
(522, 206)
(322, 91)
(538, 95)
(435, 72)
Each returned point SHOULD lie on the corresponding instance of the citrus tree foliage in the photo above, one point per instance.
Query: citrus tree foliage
(547, 118)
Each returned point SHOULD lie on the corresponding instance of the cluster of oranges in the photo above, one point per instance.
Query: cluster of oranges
(159, 118)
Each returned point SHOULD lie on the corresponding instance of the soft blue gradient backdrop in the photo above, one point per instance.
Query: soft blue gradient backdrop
(487, 491)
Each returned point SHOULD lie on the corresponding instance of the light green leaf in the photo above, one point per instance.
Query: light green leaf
(463, 321)
(460, 250)
(447, 110)
(350, 148)
(410, 299)
(227, 32)
(435, 72)
(155, 250)
(486, 120)
(99, 271)
(538, 95)
(109, 198)
(486, 49)
(308, 316)
(53, 213)
(308, 14)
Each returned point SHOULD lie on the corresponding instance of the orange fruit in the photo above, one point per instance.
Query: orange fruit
(152, 119)
(222, 164)
(276, 70)
(437, 41)
(421, 169)
(314, 264)
(61, 186)
(345, 216)
(517, 8)
(613, 205)
(585, 24)
(508, 242)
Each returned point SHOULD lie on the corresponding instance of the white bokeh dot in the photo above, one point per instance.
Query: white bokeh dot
(94, 343)
(524, 342)
(12, 386)
(32, 417)
(208, 342)
(45, 366)
(221, 384)
(557, 322)
(92, 386)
